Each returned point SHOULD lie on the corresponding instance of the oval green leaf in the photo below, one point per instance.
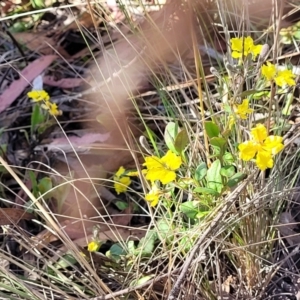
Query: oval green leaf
(214, 178)
(181, 141)
(235, 179)
(227, 171)
(211, 129)
(170, 134)
(201, 171)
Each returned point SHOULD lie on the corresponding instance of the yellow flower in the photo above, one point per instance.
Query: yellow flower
(281, 77)
(285, 77)
(162, 169)
(121, 182)
(243, 109)
(268, 71)
(52, 108)
(153, 195)
(261, 145)
(94, 246)
(38, 96)
(241, 47)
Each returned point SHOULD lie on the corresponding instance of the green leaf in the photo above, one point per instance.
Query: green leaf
(214, 178)
(165, 230)
(211, 129)
(218, 142)
(181, 141)
(37, 118)
(33, 183)
(188, 208)
(65, 261)
(37, 3)
(245, 94)
(121, 205)
(44, 186)
(288, 104)
(144, 279)
(186, 244)
(228, 158)
(171, 132)
(206, 191)
(131, 247)
(235, 179)
(259, 95)
(201, 171)
(202, 214)
(145, 247)
(116, 252)
(227, 171)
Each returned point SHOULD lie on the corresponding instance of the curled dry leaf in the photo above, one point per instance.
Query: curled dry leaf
(80, 144)
(65, 83)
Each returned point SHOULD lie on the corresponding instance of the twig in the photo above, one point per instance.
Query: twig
(212, 227)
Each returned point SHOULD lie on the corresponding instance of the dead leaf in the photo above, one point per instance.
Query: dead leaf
(286, 227)
(10, 216)
(39, 42)
(26, 76)
(85, 20)
(65, 83)
(80, 144)
(124, 217)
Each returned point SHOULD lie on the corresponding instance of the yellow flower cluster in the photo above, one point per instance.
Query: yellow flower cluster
(157, 169)
(160, 169)
(241, 47)
(43, 96)
(262, 146)
(281, 77)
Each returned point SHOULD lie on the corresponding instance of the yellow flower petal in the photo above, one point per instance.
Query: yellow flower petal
(165, 176)
(38, 96)
(268, 71)
(120, 172)
(171, 160)
(273, 144)
(94, 246)
(236, 44)
(256, 50)
(264, 160)
(243, 109)
(236, 54)
(121, 184)
(153, 195)
(248, 150)
(152, 162)
(285, 77)
(259, 133)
